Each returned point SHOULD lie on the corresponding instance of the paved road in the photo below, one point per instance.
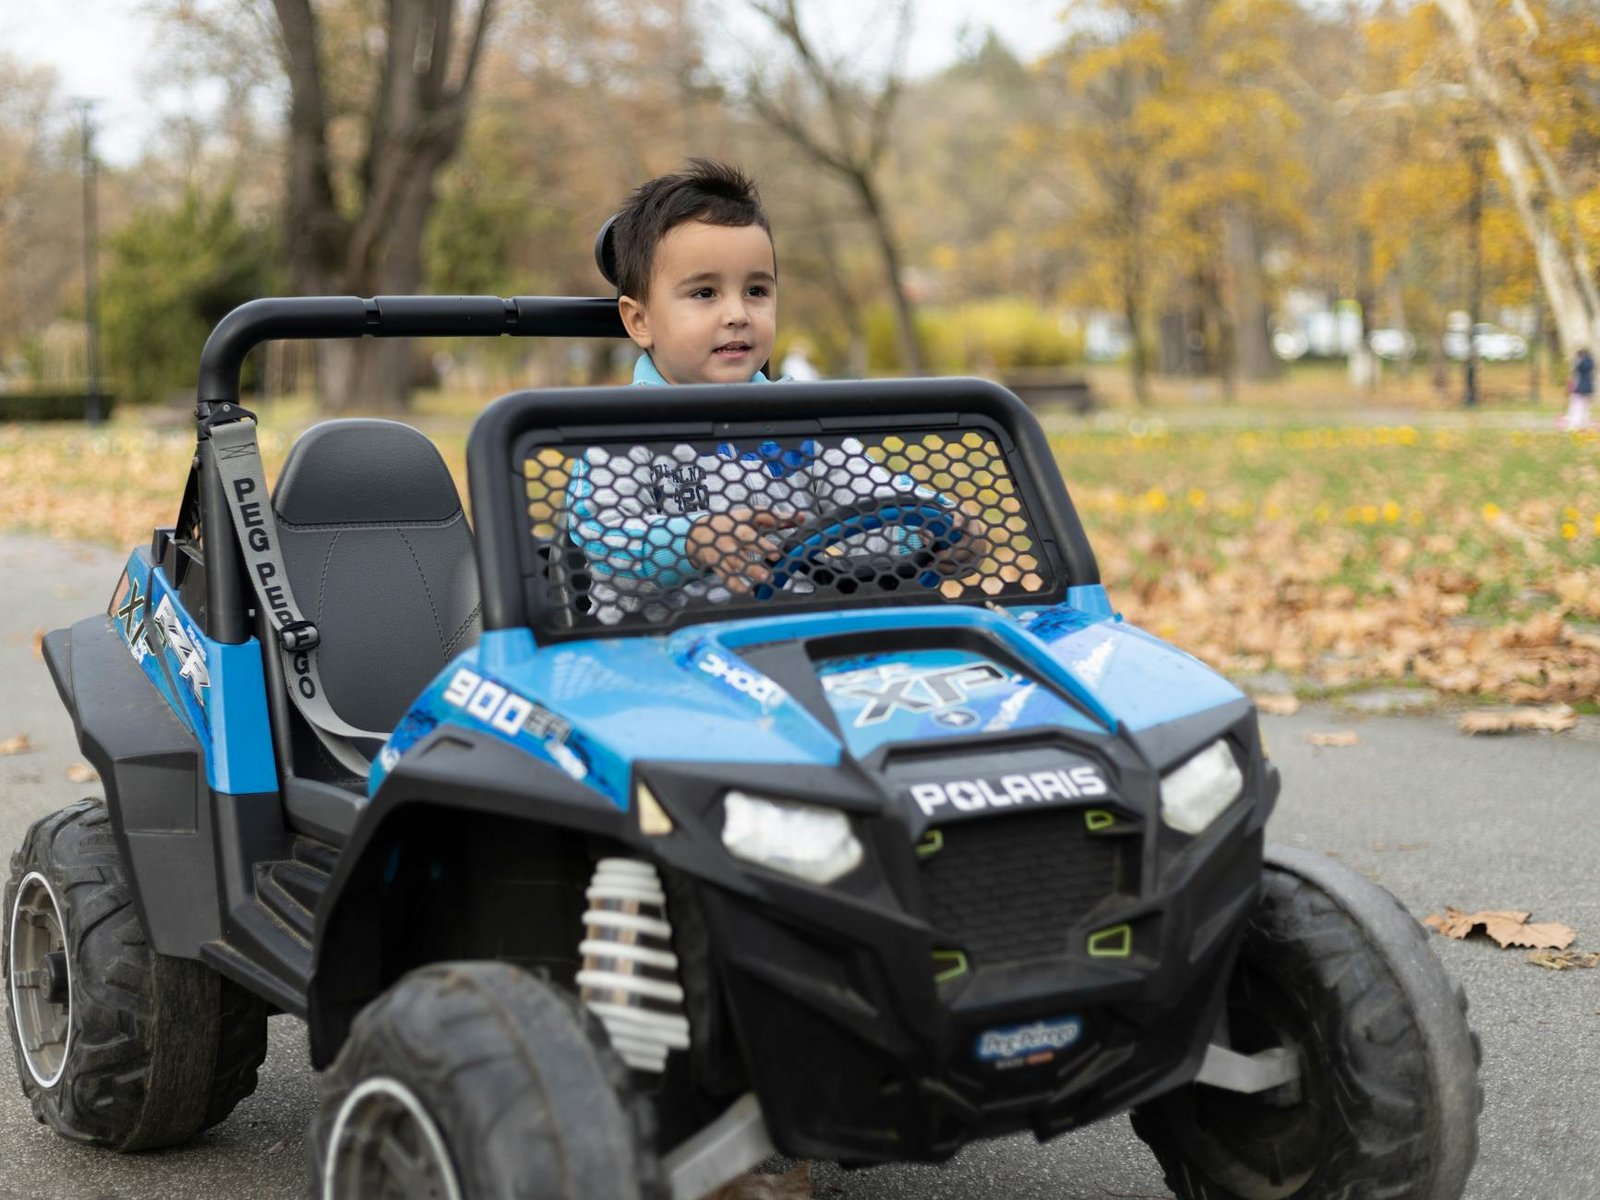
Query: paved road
(1438, 818)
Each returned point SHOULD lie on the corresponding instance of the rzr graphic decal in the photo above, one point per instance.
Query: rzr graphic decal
(168, 629)
(128, 608)
(912, 694)
(897, 686)
(215, 689)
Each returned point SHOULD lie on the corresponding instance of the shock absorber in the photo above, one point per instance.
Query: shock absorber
(629, 977)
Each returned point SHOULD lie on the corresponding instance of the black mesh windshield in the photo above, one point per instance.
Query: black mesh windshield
(633, 535)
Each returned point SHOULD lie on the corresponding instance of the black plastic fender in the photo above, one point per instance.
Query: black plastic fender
(154, 777)
(455, 789)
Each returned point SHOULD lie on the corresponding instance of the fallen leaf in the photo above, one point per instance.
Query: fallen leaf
(1341, 737)
(792, 1185)
(1507, 927)
(82, 773)
(1565, 960)
(38, 643)
(15, 745)
(1277, 704)
(1555, 718)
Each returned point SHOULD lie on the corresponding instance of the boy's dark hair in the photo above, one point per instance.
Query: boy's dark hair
(706, 190)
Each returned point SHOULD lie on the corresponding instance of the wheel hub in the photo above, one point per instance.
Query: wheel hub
(385, 1146)
(41, 980)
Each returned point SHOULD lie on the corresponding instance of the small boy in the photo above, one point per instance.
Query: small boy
(696, 274)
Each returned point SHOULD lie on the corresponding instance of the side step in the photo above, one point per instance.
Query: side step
(268, 946)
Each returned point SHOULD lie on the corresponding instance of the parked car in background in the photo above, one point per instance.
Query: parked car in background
(1492, 343)
(1395, 345)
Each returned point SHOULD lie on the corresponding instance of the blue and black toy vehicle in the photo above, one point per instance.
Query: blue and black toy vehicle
(601, 872)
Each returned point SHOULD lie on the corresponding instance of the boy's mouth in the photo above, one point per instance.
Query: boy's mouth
(732, 350)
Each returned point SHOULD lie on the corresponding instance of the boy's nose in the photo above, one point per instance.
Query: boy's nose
(736, 313)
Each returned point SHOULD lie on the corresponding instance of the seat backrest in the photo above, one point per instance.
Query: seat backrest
(380, 559)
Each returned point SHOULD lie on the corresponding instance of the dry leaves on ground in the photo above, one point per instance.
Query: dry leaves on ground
(21, 744)
(792, 1185)
(1507, 927)
(1565, 960)
(1277, 705)
(1554, 718)
(82, 773)
(1340, 737)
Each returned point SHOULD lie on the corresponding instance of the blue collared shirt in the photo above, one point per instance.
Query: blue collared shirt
(645, 372)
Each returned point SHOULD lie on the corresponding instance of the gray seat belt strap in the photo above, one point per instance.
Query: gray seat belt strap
(239, 463)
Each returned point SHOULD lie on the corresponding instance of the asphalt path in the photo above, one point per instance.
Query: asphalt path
(1436, 817)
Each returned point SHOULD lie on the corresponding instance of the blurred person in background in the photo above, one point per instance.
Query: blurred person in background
(1580, 392)
(797, 364)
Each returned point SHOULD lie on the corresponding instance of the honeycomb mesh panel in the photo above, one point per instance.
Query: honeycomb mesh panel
(1010, 888)
(642, 533)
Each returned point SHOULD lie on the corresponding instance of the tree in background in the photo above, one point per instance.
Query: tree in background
(845, 125)
(378, 105)
(1533, 74)
(175, 272)
(1102, 164)
(41, 233)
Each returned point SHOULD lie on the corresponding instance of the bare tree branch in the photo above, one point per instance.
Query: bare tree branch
(860, 122)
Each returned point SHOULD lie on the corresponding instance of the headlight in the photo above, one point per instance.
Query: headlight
(1196, 793)
(803, 840)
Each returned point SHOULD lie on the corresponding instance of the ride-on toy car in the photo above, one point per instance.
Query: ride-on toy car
(597, 873)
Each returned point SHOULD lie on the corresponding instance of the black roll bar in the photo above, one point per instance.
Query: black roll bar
(306, 317)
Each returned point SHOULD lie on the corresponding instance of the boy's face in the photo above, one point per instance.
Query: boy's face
(713, 304)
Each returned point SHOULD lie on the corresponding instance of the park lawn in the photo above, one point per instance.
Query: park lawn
(1464, 558)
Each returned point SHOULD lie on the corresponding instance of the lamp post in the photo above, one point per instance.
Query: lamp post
(1476, 146)
(93, 408)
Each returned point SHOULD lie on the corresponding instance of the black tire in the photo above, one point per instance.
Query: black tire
(1388, 1100)
(507, 1080)
(156, 1049)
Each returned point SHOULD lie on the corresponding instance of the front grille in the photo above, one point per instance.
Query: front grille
(1008, 889)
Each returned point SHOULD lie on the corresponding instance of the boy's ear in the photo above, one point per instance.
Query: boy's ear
(635, 321)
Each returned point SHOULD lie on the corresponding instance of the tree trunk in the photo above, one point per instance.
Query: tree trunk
(904, 313)
(1133, 313)
(1537, 188)
(1247, 295)
(415, 121)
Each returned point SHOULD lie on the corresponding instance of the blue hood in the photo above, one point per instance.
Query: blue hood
(593, 708)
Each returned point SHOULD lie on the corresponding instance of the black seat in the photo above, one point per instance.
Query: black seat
(380, 558)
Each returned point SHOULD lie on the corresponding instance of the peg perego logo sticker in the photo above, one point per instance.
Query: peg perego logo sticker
(1026, 1045)
(1010, 791)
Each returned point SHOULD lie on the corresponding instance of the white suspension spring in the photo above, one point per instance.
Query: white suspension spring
(629, 977)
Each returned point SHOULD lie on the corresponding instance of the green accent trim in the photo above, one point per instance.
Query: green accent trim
(932, 842)
(1098, 818)
(1113, 942)
(956, 969)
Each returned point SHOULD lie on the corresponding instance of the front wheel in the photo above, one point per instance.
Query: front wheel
(477, 1080)
(1387, 1102)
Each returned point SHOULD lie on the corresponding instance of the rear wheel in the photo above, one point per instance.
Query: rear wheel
(1387, 1102)
(479, 1080)
(115, 1044)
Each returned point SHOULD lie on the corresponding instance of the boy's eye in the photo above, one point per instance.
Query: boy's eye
(757, 289)
(704, 293)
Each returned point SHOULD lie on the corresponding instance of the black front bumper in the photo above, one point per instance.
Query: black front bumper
(862, 1042)
(858, 1055)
